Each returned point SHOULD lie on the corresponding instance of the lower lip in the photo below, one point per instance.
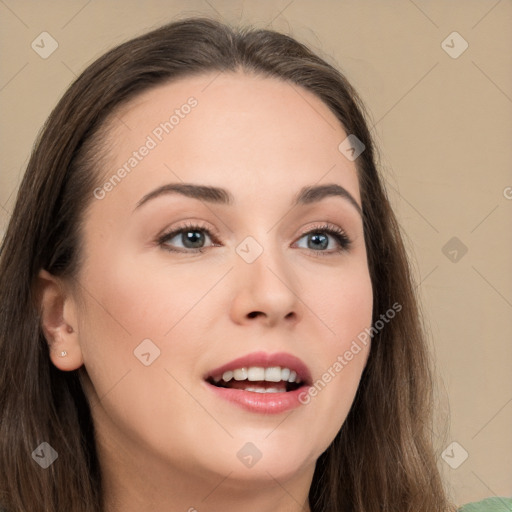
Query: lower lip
(263, 403)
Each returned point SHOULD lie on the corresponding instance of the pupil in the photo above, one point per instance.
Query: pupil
(316, 238)
(193, 237)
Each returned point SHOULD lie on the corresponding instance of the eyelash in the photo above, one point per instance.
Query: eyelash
(337, 233)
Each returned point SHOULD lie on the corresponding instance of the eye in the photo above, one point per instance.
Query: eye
(191, 237)
(323, 240)
(326, 239)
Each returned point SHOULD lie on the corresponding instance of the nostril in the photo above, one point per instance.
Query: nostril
(253, 314)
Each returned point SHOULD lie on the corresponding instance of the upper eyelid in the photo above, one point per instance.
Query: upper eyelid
(191, 225)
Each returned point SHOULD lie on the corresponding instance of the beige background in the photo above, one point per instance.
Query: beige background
(444, 128)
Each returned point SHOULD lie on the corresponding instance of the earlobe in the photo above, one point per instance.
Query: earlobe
(58, 322)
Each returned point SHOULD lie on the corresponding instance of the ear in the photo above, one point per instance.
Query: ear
(58, 316)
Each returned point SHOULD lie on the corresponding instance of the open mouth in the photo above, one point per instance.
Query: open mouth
(261, 383)
(258, 379)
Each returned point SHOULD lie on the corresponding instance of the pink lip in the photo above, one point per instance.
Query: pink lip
(282, 359)
(265, 403)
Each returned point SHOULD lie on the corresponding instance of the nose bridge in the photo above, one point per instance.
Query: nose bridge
(265, 280)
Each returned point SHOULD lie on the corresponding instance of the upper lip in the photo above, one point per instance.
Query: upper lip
(262, 359)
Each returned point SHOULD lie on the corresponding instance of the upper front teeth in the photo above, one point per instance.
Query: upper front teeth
(258, 373)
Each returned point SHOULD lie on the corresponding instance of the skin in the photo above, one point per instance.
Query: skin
(165, 441)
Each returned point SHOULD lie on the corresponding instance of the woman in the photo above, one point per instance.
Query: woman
(206, 302)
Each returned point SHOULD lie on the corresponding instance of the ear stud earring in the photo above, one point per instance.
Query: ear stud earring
(63, 354)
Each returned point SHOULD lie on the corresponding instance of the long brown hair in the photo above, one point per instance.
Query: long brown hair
(381, 460)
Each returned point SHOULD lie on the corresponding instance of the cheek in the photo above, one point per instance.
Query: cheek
(136, 300)
(134, 309)
(343, 301)
(142, 300)
(345, 307)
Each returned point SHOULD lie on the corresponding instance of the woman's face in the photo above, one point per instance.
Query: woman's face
(166, 313)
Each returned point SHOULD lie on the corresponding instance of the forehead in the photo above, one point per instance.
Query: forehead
(248, 130)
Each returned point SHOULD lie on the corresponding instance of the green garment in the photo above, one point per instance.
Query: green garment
(489, 505)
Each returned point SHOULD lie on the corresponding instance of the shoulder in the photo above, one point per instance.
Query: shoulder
(489, 505)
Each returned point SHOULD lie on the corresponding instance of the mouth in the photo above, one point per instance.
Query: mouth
(258, 379)
(261, 382)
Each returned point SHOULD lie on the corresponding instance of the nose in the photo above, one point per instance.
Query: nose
(266, 292)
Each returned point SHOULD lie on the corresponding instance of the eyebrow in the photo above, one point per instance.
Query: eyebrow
(217, 195)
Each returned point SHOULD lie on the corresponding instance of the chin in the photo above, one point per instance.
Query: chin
(261, 462)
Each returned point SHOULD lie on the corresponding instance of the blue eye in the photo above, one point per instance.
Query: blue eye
(192, 239)
(318, 240)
